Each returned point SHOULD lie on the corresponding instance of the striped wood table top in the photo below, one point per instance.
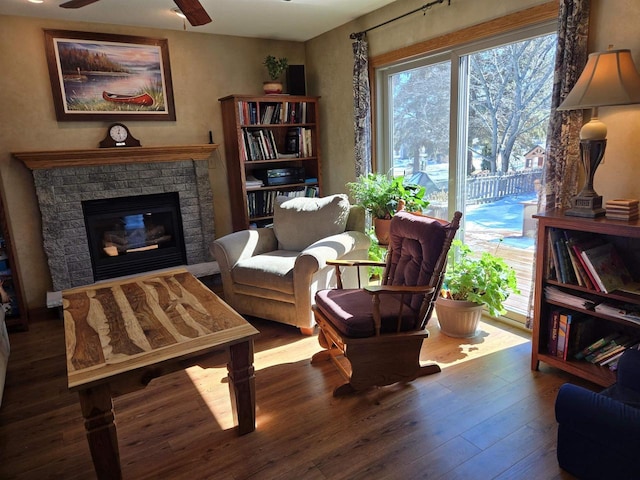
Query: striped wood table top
(115, 327)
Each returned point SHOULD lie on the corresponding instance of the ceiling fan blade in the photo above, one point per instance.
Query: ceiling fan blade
(77, 3)
(193, 10)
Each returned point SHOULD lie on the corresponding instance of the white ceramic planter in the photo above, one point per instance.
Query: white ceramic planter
(458, 318)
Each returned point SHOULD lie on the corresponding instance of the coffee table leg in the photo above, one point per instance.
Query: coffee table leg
(97, 409)
(242, 386)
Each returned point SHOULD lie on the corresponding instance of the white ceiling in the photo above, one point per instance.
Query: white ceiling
(297, 20)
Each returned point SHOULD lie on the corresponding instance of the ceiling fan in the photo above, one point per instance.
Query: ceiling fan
(192, 9)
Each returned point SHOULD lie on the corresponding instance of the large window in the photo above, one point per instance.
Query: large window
(470, 124)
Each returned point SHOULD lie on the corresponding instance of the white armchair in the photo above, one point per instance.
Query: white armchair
(274, 273)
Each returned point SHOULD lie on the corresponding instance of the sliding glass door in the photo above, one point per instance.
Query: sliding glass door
(470, 125)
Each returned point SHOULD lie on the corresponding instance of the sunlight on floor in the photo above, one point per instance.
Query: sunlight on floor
(492, 337)
(214, 388)
(445, 351)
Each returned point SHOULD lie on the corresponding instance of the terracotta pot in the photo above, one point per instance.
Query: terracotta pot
(272, 88)
(382, 226)
(458, 318)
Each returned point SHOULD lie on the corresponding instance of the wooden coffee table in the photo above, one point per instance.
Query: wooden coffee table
(121, 334)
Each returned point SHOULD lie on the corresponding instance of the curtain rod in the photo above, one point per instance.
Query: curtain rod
(424, 8)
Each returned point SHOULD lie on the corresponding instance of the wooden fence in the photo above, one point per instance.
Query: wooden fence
(489, 188)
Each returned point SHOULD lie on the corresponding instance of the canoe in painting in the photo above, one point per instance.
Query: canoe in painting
(144, 99)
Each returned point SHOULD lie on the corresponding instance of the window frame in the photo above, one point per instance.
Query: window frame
(457, 57)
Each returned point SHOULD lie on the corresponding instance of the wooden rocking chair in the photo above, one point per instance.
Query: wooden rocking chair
(374, 334)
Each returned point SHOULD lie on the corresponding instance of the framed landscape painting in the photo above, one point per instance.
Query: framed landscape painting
(99, 76)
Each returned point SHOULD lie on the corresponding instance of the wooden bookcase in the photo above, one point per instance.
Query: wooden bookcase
(16, 316)
(626, 237)
(274, 138)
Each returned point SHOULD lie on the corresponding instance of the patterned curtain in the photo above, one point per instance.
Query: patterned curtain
(361, 104)
(561, 167)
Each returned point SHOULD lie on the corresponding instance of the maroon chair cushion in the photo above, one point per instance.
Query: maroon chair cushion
(351, 312)
(416, 243)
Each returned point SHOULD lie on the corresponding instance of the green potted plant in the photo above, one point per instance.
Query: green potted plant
(469, 284)
(275, 68)
(383, 196)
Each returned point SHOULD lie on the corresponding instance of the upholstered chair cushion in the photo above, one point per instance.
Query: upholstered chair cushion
(339, 305)
(300, 221)
(414, 253)
(416, 243)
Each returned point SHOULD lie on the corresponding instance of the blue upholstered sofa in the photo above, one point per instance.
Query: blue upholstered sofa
(599, 433)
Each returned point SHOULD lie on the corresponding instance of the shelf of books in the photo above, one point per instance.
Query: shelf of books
(587, 294)
(272, 149)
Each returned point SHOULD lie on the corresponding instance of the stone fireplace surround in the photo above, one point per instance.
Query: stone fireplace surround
(63, 180)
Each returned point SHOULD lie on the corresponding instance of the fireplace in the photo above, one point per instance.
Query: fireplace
(67, 180)
(134, 234)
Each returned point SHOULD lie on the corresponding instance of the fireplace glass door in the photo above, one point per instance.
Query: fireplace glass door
(129, 235)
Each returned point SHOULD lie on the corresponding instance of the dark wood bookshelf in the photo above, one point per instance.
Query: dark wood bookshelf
(615, 231)
(237, 122)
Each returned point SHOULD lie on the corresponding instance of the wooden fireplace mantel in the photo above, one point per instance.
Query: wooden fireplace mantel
(112, 156)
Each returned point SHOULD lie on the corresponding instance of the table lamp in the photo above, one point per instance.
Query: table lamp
(609, 78)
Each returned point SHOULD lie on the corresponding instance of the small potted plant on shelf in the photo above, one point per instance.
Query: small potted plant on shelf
(275, 68)
(383, 196)
(470, 284)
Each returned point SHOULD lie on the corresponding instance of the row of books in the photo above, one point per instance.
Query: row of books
(588, 261)
(258, 145)
(254, 113)
(606, 351)
(571, 337)
(622, 209)
(261, 203)
(298, 141)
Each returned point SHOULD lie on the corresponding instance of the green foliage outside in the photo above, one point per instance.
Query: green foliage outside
(380, 195)
(486, 280)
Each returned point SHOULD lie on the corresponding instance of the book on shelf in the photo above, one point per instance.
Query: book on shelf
(622, 209)
(584, 279)
(552, 345)
(595, 346)
(253, 182)
(613, 216)
(627, 311)
(611, 348)
(258, 145)
(567, 274)
(623, 203)
(585, 301)
(553, 268)
(580, 334)
(607, 267)
(573, 333)
(564, 321)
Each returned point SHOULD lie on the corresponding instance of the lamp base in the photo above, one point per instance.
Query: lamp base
(589, 207)
(588, 203)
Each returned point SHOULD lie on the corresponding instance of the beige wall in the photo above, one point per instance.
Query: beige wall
(329, 57)
(204, 68)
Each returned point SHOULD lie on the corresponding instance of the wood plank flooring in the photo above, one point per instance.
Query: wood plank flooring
(485, 416)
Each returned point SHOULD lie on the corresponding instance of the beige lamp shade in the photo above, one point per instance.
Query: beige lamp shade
(609, 78)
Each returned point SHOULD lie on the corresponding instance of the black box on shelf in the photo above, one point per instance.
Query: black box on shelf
(281, 176)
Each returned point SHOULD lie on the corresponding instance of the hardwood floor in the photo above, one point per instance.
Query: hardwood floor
(486, 415)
